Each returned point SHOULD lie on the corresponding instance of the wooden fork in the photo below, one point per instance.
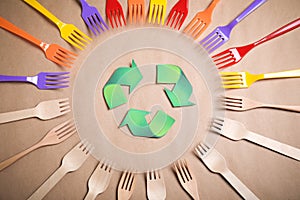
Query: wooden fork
(235, 130)
(245, 79)
(72, 161)
(55, 136)
(53, 52)
(136, 11)
(201, 21)
(238, 103)
(99, 181)
(215, 162)
(186, 178)
(126, 186)
(44, 110)
(156, 189)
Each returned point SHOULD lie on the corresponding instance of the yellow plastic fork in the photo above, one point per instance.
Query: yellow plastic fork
(233, 80)
(68, 32)
(160, 9)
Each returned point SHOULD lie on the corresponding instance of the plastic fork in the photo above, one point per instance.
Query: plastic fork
(201, 21)
(221, 34)
(215, 162)
(55, 136)
(136, 11)
(99, 181)
(233, 55)
(43, 80)
(178, 14)
(53, 52)
(186, 178)
(92, 18)
(156, 188)
(114, 12)
(235, 80)
(72, 161)
(68, 32)
(235, 130)
(157, 8)
(238, 103)
(126, 186)
(45, 110)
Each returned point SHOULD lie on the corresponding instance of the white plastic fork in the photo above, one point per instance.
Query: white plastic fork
(215, 162)
(156, 189)
(237, 131)
(44, 110)
(72, 161)
(99, 181)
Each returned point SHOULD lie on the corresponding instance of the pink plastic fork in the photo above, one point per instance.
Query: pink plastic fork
(233, 55)
(114, 12)
(178, 13)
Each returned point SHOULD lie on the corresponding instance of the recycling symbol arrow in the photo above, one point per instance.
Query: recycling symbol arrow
(182, 90)
(138, 125)
(113, 92)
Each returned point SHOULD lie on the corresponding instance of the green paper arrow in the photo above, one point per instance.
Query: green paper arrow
(182, 91)
(137, 124)
(113, 92)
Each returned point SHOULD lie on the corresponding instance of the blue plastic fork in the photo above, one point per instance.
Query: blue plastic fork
(221, 34)
(92, 18)
(43, 80)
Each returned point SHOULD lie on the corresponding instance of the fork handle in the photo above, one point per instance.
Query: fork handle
(212, 6)
(283, 74)
(19, 32)
(45, 12)
(5, 78)
(17, 115)
(42, 191)
(238, 185)
(282, 107)
(284, 29)
(16, 157)
(90, 196)
(253, 6)
(274, 145)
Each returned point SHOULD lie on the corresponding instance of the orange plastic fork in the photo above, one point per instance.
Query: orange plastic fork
(53, 52)
(201, 21)
(136, 11)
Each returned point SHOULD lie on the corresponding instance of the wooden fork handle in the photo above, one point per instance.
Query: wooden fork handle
(283, 107)
(16, 157)
(17, 31)
(238, 185)
(284, 29)
(45, 12)
(90, 196)
(16, 115)
(42, 191)
(274, 145)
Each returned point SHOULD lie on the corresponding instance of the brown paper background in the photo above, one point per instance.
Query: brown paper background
(269, 175)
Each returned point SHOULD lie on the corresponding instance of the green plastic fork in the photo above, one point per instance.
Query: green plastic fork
(234, 80)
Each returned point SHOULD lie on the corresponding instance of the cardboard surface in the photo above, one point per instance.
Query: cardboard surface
(268, 174)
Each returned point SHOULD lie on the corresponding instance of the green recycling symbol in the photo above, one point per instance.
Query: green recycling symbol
(135, 119)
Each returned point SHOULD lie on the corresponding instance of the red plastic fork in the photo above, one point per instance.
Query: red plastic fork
(114, 12)
(178, 13)
(233, 55)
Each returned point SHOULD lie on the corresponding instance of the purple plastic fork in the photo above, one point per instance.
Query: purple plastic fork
(92, 18)
(43, 80)
(221, 34)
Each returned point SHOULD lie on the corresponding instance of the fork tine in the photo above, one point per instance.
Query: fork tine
(59, 127)
(207, 38)
(67, 125)
(93, 25)
(70, 40)
(122, 16)
(150, 13)
(56, 73)
(155, 13)
(77, 39)
(159, 15)
(171, 17)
